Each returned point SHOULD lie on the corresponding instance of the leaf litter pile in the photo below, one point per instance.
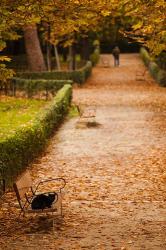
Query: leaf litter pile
(116, 173)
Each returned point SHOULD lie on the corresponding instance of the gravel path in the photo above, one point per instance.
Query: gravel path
(116, 172)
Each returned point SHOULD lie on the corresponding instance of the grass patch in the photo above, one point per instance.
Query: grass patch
(16, 113)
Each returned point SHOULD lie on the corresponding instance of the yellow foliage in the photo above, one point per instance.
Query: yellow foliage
(148, 22)
(138, 25)
(5, 58)
(105, 13)
(5, 73)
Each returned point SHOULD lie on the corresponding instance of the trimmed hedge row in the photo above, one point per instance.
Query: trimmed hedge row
(157, 73)
(32, 86)
(20, 149)
(161, 60)
(78, 76)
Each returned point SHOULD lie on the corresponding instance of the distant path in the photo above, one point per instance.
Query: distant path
(116, 173)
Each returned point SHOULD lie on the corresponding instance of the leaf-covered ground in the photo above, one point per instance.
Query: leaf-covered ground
(115, 196)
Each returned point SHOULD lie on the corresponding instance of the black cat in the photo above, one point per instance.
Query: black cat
(43, 201)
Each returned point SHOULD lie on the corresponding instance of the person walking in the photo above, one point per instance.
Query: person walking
(116, 53)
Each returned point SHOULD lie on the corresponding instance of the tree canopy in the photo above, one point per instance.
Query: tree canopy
(148, 20)
(144, 19)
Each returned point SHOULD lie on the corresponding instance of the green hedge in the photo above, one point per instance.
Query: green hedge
(161, 78)
(145, 56)
(78, 76)
(154, 69)
(157, 73)
(33, 86)
(20, 149)
(161, 60)
(95, 56)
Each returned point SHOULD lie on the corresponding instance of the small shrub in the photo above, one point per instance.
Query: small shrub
(95, 56)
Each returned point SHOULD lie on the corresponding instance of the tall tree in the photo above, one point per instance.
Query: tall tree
(33, 49)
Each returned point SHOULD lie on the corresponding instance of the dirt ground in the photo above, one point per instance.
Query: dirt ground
(115, 195)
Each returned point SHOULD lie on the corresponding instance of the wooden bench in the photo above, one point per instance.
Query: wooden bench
(87, 117)
(26, 192)
(89, 112)
(105, 62)
(141, 75)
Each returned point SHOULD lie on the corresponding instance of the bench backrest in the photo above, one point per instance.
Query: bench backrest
(22, 185)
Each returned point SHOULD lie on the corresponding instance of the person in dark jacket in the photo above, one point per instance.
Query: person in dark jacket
(116, 53)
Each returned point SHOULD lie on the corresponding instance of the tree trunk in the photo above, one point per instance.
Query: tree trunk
(65, 54)
(33, 49)
(85, 51)
(48, 48)
(57, 58)
(73, 56)
(48, 56)
(70, 58)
